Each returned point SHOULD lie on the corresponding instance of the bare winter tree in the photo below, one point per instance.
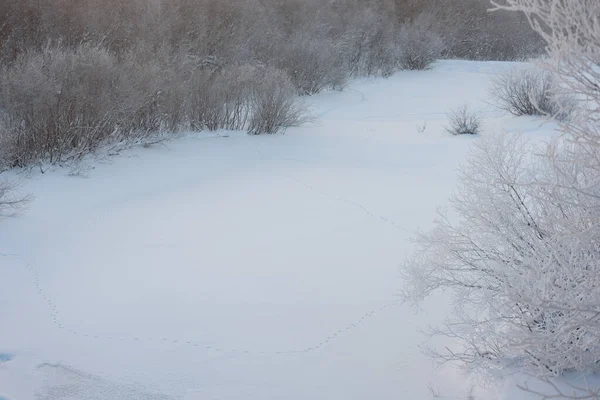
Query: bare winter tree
(521, 252)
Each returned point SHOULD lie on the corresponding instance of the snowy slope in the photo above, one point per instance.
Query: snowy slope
(225, 266)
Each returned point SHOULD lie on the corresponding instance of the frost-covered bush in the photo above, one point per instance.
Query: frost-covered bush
(522, 258)
(527, 91)
(463, 121)
(471, 32)
(221, 99)
(313, 65)
(369, 44)
(257, 99)
(377, 46)
(59, 102)
(274, 105)
(419, 46)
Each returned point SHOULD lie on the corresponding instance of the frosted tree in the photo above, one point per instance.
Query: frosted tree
(520, 249)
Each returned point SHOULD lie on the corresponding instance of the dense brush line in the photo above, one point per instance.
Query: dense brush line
(78, 73)
(261, 30)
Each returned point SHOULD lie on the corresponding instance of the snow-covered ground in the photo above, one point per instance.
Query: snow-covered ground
(226, 266)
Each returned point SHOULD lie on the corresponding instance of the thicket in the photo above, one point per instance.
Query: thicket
(77, 73)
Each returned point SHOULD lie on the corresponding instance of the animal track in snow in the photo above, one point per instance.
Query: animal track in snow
(339, 198)
(54, 315)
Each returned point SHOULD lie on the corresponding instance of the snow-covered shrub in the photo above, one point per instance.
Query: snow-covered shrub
(201, 109)
(473, 33)
(369, 45)
(258, 99)
(522, 259)
(527, 91)
(463, 121)
(173, 83)
(59, 102)
(232, 90)
(419, 46)
(275, 105)
(220, 99)
(313, 64)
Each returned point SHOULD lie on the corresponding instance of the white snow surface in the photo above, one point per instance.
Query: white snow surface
(226, 266)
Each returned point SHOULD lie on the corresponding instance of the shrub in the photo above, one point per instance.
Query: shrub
(463, 122)
(274, 105)
(313, 65)
(420, 47)
(369, 45)
(520, 256)
(233, 89)
(60, 102)
(258, 99)
(220, 99)
(530, 92)
(176, 77)
(471, 32)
